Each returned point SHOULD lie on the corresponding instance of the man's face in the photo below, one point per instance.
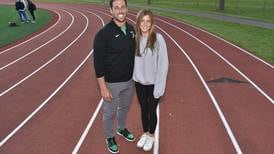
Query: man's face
(119, 11)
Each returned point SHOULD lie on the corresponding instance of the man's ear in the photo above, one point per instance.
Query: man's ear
(110, 10)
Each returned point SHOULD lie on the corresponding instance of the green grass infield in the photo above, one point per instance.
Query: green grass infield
(11, 34)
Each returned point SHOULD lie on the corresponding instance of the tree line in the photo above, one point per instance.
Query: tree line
(221, 4)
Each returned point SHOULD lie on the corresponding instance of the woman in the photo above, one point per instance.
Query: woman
(150, 73)
(32, 8)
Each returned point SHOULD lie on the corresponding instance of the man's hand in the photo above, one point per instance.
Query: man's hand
(105, 92)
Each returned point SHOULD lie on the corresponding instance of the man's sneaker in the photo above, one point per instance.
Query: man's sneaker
(149, 143)
(142, 141)
(112, 145)
(126, 134)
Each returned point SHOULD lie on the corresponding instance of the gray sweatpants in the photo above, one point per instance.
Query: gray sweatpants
(122, 97)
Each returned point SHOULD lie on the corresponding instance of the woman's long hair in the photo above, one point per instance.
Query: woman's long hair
(151, 36)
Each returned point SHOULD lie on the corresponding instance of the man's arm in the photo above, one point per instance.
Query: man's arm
(99, 58)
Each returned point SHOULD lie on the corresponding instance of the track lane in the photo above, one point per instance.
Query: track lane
(39, 60)
(18, 43)
(5, 49)
(57, 127)
(256, 70)
(27, 49)
(214, 37)
(62, 112)
(31, 90)
(87, 43)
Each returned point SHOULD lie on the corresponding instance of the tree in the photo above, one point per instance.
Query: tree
(197, 2)
(222, 4)
(148, 1)
(264, 5)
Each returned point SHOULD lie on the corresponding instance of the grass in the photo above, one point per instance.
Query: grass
(256, 40)
(71, 1)
(11, 34)
(256, 13)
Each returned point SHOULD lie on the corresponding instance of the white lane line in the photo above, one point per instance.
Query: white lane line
(224, 59)
(156, 142)
(83, 136)
(43, 104)
(243, 50)
(59, 18)
(15, 85)
(90, 123)
(216, 104)
(157, 132)
(13, 62)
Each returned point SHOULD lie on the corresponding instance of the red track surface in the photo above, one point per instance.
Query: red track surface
(42, 112)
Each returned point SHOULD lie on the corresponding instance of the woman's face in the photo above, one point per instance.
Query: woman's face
(145, 25)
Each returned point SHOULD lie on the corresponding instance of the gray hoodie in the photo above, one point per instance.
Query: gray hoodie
(152, 68)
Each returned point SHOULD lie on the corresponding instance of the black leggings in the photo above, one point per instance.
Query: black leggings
(32, 14)
(148, 106)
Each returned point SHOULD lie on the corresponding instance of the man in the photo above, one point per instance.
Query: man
(20, 6)
(114, 47)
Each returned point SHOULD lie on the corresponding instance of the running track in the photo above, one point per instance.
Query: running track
(50, 103)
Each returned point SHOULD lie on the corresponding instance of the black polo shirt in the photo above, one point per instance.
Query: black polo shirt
(114, 53)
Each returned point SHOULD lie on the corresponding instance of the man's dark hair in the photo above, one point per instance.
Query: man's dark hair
(111, 3)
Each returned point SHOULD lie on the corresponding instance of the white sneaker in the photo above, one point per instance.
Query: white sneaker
(142, 141)
(149, 143)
